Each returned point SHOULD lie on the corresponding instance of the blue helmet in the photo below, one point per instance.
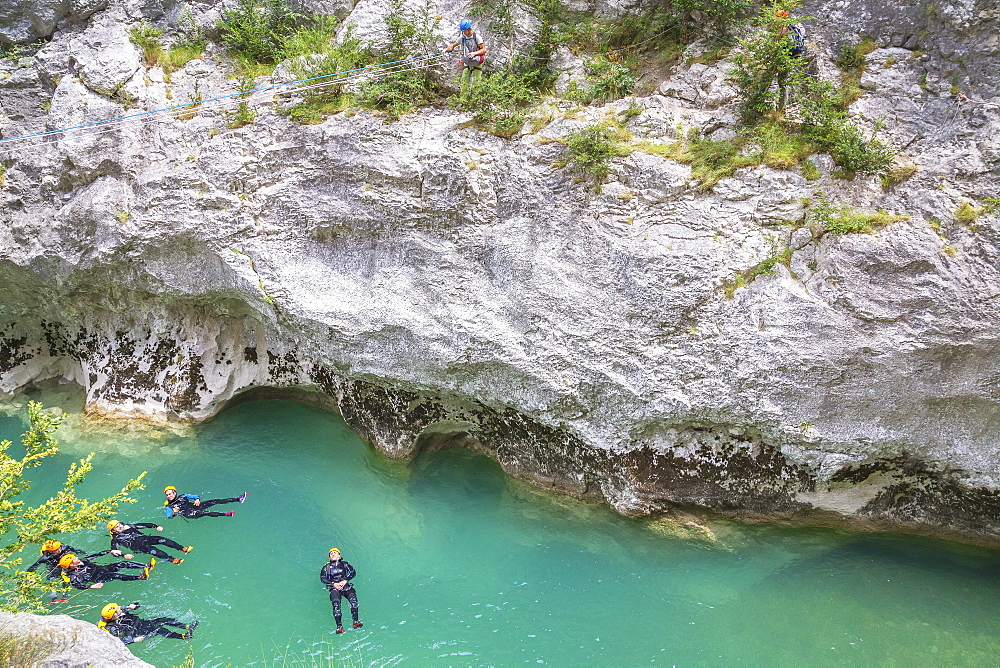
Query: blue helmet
(464, 24)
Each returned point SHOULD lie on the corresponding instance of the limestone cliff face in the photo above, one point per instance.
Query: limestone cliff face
(439, 285)
(67, 643)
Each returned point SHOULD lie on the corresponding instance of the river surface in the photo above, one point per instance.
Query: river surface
(460, 565)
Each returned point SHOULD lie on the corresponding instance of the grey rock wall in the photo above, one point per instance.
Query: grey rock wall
(440, 286)
(69, 642)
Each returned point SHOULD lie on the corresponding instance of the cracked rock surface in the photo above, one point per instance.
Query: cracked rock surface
(439, 286)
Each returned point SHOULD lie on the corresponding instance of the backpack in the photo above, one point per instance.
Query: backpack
(470, 44)
(797, 33)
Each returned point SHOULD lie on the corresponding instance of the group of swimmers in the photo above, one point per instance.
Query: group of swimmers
(65, 563)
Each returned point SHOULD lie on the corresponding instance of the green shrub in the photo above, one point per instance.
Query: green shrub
(854, 56)
(864, 156)
(147, 38)
(896, 174)
(765, 64)
(826, 217)
(500, 101)
(780, 254)
(411, 31)
(810, 172)
(592, 149)
(609, 80)
(256, 30)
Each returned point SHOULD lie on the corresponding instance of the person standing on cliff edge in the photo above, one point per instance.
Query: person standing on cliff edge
(473, 56)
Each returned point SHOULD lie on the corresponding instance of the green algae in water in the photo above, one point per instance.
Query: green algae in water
(460, 565)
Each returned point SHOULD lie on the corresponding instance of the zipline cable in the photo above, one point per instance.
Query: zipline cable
(245, 94)
(180, 111)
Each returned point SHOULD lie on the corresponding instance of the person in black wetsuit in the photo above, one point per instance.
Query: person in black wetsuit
(52, 551)
(82, 573)
(189, 505)
(129, 537)
(130, 628)
(337, 575)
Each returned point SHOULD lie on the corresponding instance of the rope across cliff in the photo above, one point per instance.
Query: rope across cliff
(368, 72)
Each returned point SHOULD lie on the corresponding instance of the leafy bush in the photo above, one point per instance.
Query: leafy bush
(256, 30)
(826, 217)
(610, 80)
(64, 512)
(854, 56)
(411, 32)
(147, 38)
(592, 149)
(765, 62)
(864, 156)
(500, 100)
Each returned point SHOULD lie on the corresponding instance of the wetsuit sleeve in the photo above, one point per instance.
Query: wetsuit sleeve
(76, 581)
(324, 576)
(349, 571)
(191, 497)
(32, 567)
(145, 525)
(97, 554)
(115, 542)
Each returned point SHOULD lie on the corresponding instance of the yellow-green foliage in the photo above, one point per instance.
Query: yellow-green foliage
(809, 170)
(18, 650)
(826, 217)
(64, 512)
(896, 175)
(966, 213)
(592, 149)
(771, 144)
(779, 255)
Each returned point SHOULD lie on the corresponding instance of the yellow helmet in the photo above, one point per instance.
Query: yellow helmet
(168, 488)
(332, 550)
(51, 545)
(109, 611)
(67, 560)
(112, 524)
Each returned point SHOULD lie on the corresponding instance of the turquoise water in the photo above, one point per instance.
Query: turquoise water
(460, 565)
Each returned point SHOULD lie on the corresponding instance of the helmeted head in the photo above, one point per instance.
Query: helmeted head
(171, 492)
(67, 560)
(110, 611)
(465, 24)
(51, 545)
(334, 554)
(115, 524)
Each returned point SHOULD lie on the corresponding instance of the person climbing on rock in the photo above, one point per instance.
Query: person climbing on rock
(795, 36)
(473, 56)
(189, 505)
(129, 537)
(82, 573)
(130, 628)
(337, 575)
(52, 551)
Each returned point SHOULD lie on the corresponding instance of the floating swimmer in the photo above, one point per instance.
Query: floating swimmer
(191, 506)
(82, 573)
(337, 575)
(129, 537)
(130, 628)
(52, 551)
